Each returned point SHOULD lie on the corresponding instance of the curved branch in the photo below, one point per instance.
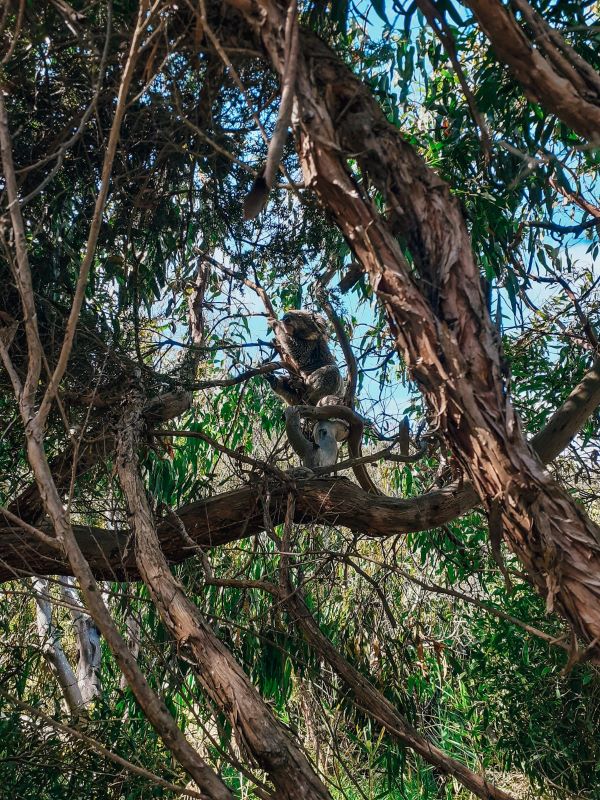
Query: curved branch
(366, 696)
(437, 310)
(377, 706)
(356, 424)
(344, 342)
(235, 515)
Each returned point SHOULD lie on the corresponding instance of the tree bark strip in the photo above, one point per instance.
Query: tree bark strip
(565, 88)
(261, 736)
(235, 515)
(439, 318)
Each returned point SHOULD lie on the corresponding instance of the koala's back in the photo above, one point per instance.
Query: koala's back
(304, 337)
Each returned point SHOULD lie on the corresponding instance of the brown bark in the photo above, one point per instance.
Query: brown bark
(96, 445)
(439, 319)
(551, 73)
(377, 706)
(235, 515)
(34, 419)
(261, 736)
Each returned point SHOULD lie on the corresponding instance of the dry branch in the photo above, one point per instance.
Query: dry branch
(562, 82)
(259, 734)
(234, 515)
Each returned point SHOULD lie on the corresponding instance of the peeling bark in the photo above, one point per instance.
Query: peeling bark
(439, 319)
(550, 72)
(259, 734)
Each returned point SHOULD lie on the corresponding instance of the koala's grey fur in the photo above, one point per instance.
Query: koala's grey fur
(323, 451)
(301, 336)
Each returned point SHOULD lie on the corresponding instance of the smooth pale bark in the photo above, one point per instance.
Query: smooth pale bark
(437, 314)
(89, 649)
(52, 648)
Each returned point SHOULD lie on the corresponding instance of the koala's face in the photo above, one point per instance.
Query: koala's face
(304, 325)
(330, 429)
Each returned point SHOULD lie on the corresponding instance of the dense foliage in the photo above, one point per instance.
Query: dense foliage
(427, 616)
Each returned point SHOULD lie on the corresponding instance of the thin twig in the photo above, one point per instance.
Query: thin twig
(86, 264)
(237, 456)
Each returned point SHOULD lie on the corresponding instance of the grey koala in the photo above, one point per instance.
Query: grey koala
(301, 337)
(323, 450)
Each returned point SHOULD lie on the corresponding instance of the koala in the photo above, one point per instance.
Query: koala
(323, 450)
(301, 338)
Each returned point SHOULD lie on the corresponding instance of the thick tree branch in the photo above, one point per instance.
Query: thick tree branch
(234, 515)
(437, 313)
(563, 85)
(375, 704)
(259, 733)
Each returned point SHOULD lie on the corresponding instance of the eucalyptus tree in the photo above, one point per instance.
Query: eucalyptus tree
(204, 611)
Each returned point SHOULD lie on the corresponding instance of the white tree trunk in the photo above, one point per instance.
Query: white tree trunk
(52, 650)
(88, 642)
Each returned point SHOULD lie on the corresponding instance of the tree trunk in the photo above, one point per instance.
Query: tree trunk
(439, 319)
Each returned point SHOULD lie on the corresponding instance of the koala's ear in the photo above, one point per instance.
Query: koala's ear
(341, 431)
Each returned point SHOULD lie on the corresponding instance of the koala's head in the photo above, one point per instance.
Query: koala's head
(304, 325)
(328, 429)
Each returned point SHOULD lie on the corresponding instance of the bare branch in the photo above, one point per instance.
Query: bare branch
(258, 732)
(94, 231)
(257, 197)
(555, 82)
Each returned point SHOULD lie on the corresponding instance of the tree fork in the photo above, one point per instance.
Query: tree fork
(234, 515)
(446, 335)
